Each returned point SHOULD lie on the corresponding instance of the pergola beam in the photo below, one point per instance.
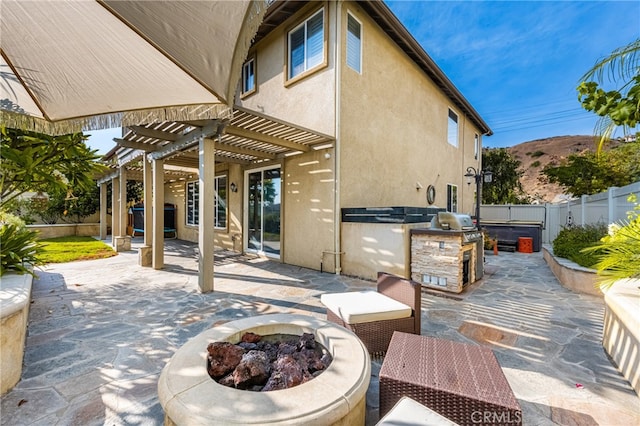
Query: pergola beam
(186, 141)
(244, 151)
(261, 137)
(154, 134)
(146, 147)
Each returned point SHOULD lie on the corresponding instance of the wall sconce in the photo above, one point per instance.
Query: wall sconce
(233, 187)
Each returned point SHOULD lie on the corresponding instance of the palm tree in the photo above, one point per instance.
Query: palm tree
(619, 107)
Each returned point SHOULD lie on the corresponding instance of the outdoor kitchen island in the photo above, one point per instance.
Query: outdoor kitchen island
(447, 259)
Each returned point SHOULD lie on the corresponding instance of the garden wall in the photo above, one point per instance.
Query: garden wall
(15, 296)
(621, 334)
(571, 275)
(66, 230)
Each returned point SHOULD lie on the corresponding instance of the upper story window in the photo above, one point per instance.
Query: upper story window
(306, 45)
(476, 146)
(354, 43)
(452, 128)
(249, 76)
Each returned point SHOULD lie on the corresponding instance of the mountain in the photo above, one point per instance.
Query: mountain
(536, 154)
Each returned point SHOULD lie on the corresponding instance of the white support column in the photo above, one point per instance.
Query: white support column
(121, 241)
(158, 214)
(115, 215)
(103, 211)
(206, 235)
(123, 202)
(145, 254)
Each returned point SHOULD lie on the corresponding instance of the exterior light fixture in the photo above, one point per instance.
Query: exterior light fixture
(478, 176)
(233, 187)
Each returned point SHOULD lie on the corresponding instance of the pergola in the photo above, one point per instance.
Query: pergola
(171, 150)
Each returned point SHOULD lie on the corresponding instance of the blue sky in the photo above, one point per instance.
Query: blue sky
(517, 62)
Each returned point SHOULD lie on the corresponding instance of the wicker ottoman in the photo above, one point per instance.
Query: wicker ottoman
(462, 382)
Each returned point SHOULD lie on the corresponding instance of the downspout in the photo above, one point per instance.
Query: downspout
(336, 173)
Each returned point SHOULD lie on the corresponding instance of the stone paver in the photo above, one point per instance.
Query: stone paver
(101, 331)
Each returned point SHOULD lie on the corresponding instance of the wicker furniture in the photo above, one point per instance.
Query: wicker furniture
(377, 334)
(460, 381)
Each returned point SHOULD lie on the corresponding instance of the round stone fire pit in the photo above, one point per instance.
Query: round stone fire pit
(337, 396)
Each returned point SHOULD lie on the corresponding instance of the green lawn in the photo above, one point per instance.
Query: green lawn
(69, 249)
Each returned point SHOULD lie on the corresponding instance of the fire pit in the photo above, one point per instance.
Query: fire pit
(189, 396)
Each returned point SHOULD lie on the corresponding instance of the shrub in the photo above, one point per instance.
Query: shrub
(570, 242)
(19, 249)
(535, 164)
(537, 154)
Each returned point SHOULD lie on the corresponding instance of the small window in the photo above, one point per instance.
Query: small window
(193, 203)
(221, 202)
(476, 146)
(452, 198)
(354, 43)
(452, 129)
(306, 45)
(249, 76)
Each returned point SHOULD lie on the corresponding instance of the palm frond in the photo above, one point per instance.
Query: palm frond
(623, 63)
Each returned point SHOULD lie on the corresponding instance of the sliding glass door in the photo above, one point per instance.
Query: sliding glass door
(263, 211)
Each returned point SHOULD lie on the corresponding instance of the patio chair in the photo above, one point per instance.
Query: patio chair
(374, 315)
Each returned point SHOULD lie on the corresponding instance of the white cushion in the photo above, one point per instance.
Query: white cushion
(364, 306)
(409, 412)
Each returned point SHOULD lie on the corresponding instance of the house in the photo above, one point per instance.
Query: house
(338, 107)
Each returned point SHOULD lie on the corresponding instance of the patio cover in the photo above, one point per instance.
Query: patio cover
(80, 65)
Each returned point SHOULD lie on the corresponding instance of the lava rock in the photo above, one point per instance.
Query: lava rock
(253, 369)
(250, 337)
(222, 358)
(287, 373)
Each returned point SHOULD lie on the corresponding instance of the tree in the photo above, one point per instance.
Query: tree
(505, 187)
(40, 163)
(590, 173)
(619, 107)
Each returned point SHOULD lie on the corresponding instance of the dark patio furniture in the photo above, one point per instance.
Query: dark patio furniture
(377, 334)
(462, 382)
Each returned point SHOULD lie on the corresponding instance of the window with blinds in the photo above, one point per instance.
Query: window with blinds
(354, 43)
(193, 203)
(249, 76)
(306, 45)
(220, 202)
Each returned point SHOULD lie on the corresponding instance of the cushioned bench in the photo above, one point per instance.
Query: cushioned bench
(374, 316)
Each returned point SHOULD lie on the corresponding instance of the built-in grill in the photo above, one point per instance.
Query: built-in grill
(448, 255)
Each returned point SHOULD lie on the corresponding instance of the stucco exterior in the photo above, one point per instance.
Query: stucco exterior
(384, 141)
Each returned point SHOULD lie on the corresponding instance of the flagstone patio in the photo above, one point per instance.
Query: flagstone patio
(101, 331)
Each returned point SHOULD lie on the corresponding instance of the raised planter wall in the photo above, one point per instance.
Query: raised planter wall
(571, 275)
(15, 296)
(66, 230)
(621, 334)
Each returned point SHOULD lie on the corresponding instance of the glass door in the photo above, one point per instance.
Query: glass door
(263, 211)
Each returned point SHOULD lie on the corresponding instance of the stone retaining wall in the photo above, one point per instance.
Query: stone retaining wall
(15, 296)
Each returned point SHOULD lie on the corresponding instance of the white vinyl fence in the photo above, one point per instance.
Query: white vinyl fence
(606, 207)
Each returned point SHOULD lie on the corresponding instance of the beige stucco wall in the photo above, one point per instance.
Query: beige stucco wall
(308, 210)
(308, 102)
(229, 238)
(372, 247)
(393, 129)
